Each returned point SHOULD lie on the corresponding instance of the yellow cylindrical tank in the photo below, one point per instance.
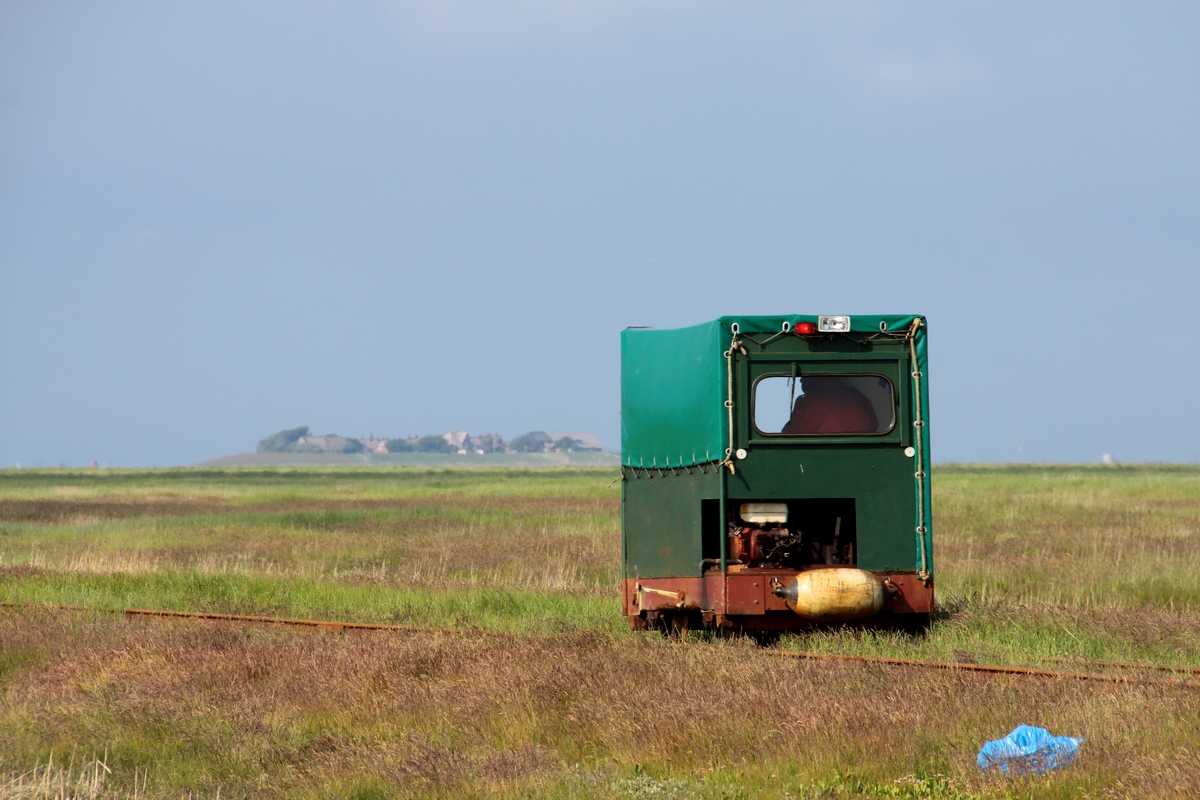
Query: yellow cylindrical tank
(833, 594)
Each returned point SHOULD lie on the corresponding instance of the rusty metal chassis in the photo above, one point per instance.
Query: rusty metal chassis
(743, 599)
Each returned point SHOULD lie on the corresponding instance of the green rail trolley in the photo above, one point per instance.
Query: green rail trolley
(775, 473)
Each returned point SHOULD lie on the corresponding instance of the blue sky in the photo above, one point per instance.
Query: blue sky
(220, 219)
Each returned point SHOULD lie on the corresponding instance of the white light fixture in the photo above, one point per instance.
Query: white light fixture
(833, 324)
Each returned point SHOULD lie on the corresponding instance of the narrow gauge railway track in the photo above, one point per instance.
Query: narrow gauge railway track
(956, 666)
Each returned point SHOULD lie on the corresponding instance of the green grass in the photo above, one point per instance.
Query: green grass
(1069, 536)
(1035, 566)
(311, 598)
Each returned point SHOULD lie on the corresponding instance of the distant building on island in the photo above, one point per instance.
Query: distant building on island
(487, 443)
(326, 444)
(458, 440)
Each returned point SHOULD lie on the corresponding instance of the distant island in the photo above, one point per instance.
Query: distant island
(300, 447)
(300, 440)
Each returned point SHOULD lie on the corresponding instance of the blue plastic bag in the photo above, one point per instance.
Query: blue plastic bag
(1029, 750)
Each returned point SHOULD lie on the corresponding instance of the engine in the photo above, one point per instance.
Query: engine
(760, 536)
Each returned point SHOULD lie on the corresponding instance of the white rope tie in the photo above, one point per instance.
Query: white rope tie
(734, 345)
(918, 430)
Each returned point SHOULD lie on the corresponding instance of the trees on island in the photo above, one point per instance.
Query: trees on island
(435, 444)
(298, 440)
(532, 442)
(566, 444)
(280, 442)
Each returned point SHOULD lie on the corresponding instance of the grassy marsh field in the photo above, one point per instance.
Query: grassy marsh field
(1035, 566)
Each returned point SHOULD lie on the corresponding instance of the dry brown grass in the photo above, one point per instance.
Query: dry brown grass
(259, 712)
(57, 781)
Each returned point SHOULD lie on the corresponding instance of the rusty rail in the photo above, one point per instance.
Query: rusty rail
(338, 627)
(326, 625)
(1122, 664)
(998, 668)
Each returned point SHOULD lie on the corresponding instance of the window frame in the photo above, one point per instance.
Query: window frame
(757, 366)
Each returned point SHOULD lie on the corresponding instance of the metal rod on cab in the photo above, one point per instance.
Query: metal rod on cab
(722, 531)
(624, 543)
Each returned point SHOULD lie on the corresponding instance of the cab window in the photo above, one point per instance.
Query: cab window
(814, 405)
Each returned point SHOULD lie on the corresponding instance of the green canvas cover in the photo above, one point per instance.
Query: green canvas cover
(674, 385)
(673, 396)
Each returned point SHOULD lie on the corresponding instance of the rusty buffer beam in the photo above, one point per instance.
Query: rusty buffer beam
(338, 627)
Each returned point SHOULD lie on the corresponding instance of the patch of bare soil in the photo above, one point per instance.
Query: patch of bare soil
(66, 510)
